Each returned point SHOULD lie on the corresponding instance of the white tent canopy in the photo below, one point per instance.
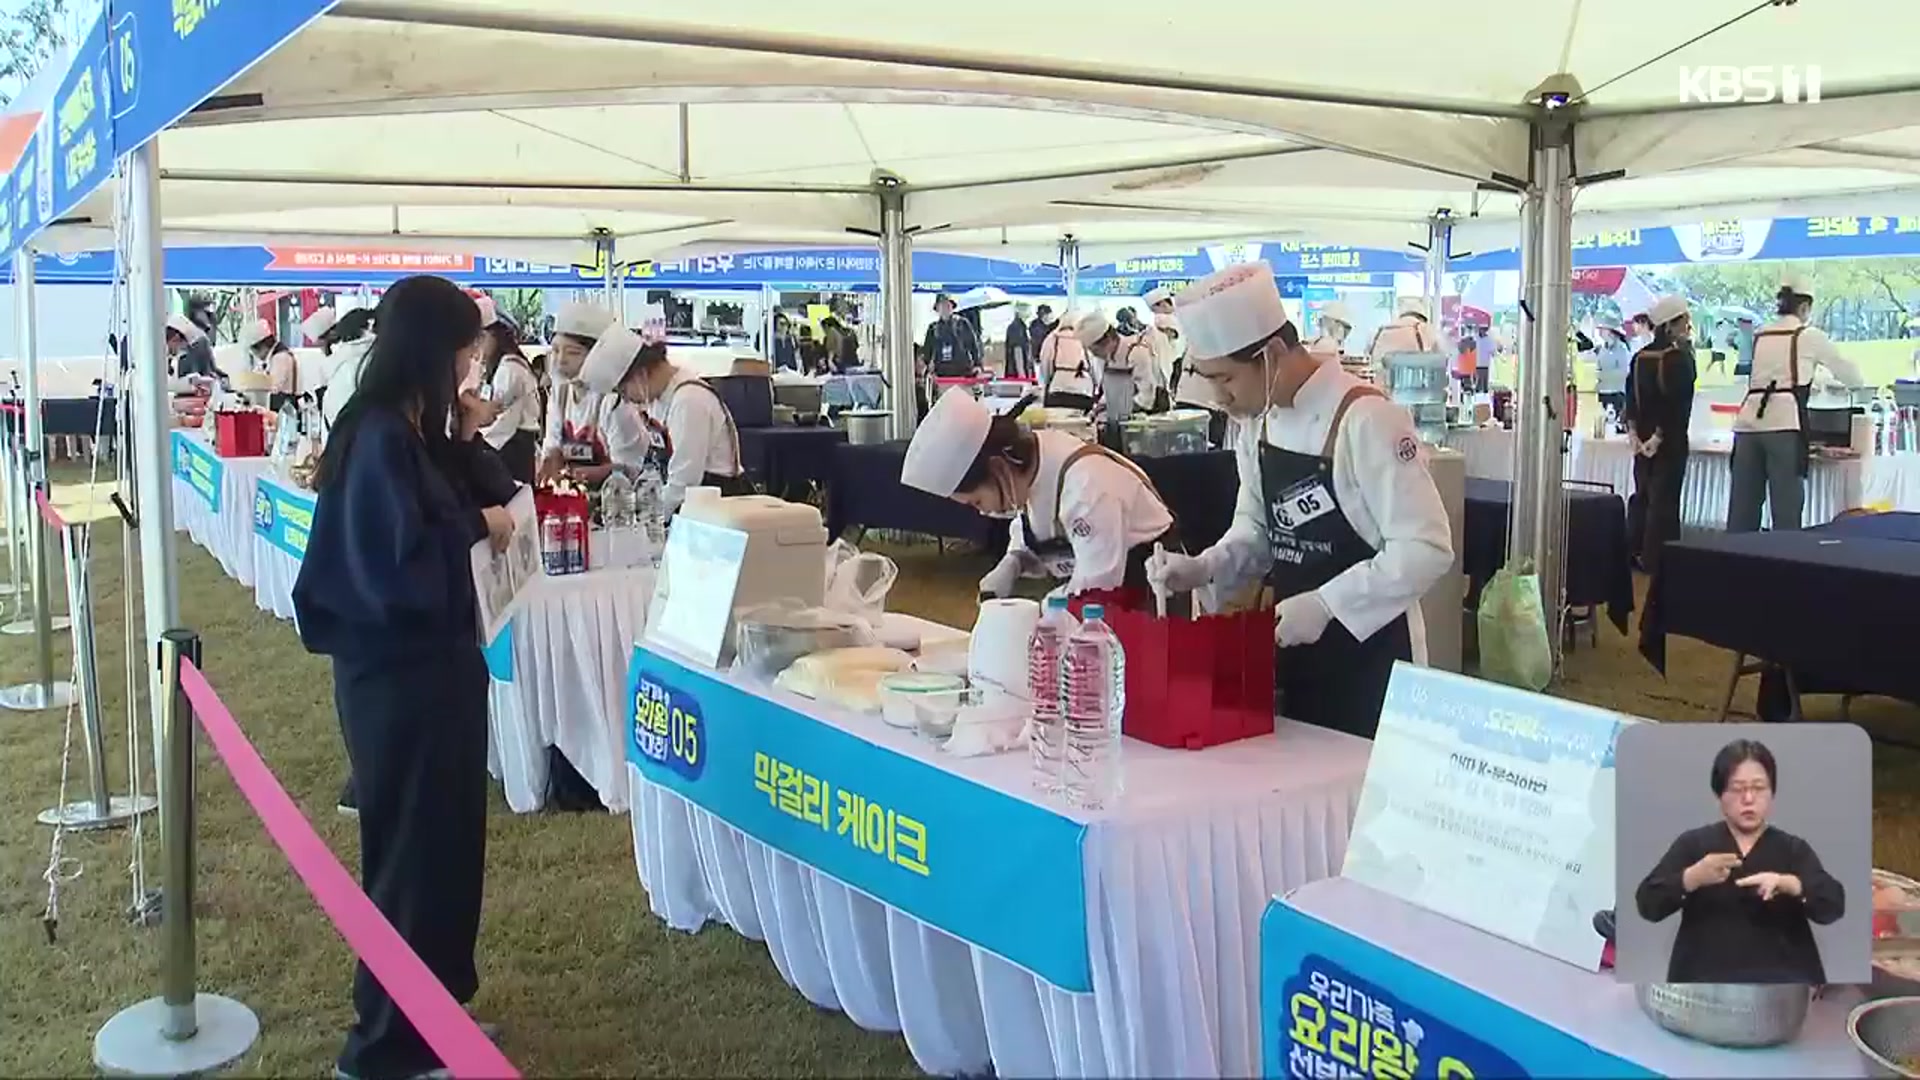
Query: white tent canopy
(527, 126)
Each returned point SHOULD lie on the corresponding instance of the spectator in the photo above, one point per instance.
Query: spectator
(952, 346)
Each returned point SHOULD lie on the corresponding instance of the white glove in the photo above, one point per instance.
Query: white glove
(1300, 620)
(1005, 574)
(1172, 572)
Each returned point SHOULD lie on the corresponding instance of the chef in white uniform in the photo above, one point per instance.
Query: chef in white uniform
(1336, 322)
(685, 434)
(1769, 436)
(316, 325)
(268, 355)
(1336, 508)
(1409, 333)
(574, 444)
(510, 384)
(1077, 510)
(1129, 370)
(1066, 372)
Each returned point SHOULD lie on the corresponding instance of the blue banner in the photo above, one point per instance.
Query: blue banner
(282, 516)
(169, 56)
(1730, 240)
(991, 869)
(1334, 1004)
(195, 464)
(79, 156)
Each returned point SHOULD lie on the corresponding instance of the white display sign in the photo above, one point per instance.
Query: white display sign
(693, 592)
(499, 577)
(1492, 806)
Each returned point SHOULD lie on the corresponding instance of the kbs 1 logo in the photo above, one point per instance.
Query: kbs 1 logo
(1731, 84)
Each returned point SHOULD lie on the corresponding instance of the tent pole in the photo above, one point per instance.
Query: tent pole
(896, 303)
(1439, 242)
(151, 439)
(1070, 270)
(610, 274)
(1539, 503)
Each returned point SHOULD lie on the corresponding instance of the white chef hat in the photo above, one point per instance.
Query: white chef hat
(1231, 309)
(947, 441)
(1411, 305)
(317, 324)
(583, 320)
(1158, 296)
(254, 333)
(1336, 311)
(489, 313)
(1666, 309)
(607, 362)
(1797, 284)
(186, 328)
(1092, 326)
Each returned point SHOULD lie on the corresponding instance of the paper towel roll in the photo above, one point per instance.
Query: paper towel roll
(997, 658)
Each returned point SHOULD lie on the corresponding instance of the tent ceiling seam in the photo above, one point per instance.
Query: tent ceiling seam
(582, 143)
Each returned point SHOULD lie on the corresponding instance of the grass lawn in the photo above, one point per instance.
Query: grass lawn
(584, 979)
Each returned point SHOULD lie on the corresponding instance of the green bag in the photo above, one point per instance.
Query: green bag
(1513, 630)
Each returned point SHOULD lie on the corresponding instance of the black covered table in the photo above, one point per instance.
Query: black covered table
(1833, 605)
(77, 416)
(1596, 566)
(788, 461)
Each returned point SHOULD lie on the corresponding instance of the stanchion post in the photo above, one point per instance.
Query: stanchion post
(45, 692)
(182, 1032)
(10, 504)
(102, 809)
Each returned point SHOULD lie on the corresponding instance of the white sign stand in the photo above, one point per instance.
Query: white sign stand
(693, 593)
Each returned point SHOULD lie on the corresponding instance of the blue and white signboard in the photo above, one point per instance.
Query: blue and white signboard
(991, 869)
(169, 56)
(1333, 1004)
(282, 516)
(199, 468)
(79, 154)
(1491, 806)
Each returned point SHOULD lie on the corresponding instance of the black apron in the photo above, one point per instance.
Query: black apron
(660, 449)
(1800, 392)
(1338, 682)
(1059, 546)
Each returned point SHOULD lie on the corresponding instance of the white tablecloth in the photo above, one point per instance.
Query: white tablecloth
(228, 534)
(1832, 485)
(1489, 451)
(273, 574)
(572, 641)
(1590, 1006)
(1177, 877)
(1893, 480)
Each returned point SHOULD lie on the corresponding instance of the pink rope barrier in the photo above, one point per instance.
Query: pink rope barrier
(447, 1028)
(47, 511)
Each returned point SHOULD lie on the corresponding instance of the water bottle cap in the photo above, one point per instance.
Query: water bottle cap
(1056, 603)
(1093, 611)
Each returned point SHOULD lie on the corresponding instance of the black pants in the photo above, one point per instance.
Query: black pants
(519, 454)
(416, 736)
(1653, 514)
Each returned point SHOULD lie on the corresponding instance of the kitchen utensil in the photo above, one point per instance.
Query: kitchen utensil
(867, 427)
(1727, 1014)
(767, 645)
(1887, 1035)
(900, 691)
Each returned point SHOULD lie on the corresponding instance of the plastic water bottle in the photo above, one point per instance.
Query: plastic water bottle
(650, 516)
(1044, 650)
(1093, 672)
(617, 516)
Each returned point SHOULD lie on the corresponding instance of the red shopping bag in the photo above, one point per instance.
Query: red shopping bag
(1191, 683)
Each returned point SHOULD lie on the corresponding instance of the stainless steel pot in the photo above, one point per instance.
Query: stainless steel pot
(1727, 1014)
(866, 427)
(1887, 1035)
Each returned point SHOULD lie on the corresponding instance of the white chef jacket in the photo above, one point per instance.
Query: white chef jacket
(1381, 480)
(571, 403)
(1136, 354)
(1612, 362)
(1771, 357)
(1065, 367)
(702, 433)
(1406, 334)
(1105, 507)
(346, 362)
(284, 370)
(517, 391)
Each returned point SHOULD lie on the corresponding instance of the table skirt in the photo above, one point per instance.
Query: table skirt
(1173, 911)
(227, 534)
(274, 572)
(1832, 486)
(1893, 482)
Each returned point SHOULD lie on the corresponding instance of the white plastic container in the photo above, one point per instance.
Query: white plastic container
(786, 547)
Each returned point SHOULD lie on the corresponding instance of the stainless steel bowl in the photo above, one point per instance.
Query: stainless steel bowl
(1725, 1014)
(1887, 1035)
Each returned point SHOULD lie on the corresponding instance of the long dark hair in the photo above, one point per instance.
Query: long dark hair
(506, 342)
(1008, 439)
(421, 325)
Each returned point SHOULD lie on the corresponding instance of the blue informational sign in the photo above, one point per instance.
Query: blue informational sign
(82, 149)
(169, 56)
(282, 516)
(1333, 1004)
(941, 848)
(1730, 240)
(196, 465)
